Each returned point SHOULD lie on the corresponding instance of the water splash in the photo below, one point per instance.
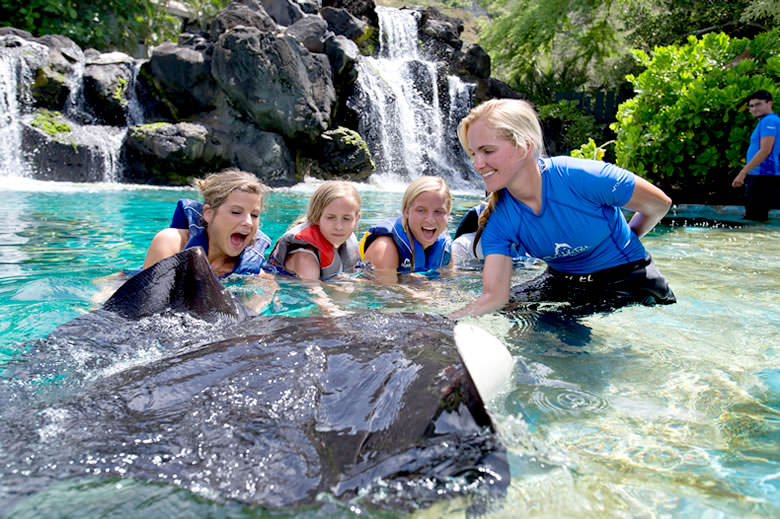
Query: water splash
(103, 144)
(408, 113)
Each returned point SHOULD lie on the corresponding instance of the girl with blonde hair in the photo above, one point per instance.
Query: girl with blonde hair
(416, 241)
(225, 224)
(563, 210)
(322, 244)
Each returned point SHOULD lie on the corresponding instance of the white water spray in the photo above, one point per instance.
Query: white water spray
(98, 145)
(408, 125)
(15, 74)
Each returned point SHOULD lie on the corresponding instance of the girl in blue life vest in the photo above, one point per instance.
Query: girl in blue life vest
(322, 244)
(562, 210)
(416, 241)
(225, 225)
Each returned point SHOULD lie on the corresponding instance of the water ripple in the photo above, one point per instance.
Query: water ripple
(567, 401)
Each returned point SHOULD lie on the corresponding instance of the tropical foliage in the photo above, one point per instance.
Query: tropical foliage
(687, 128)
(540, 47)
(126, 25)
(572, 127)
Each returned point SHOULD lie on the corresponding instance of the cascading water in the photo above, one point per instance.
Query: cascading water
(15, 71)
(135, 112)
(97, 146)
(408, 123)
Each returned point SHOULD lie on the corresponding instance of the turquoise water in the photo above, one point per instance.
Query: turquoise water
(645, 412)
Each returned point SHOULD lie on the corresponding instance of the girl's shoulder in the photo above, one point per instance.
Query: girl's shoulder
(172, 233)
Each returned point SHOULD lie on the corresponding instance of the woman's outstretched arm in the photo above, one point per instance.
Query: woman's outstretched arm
(496, 281)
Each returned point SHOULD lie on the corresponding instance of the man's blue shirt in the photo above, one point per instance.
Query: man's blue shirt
(768, 126)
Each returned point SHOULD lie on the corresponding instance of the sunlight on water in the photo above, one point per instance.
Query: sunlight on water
(644, 412)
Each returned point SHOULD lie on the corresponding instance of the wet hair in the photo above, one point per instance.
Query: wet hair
(514, 120)
(216, 187)
(762, 95)
(326, 193)
(417, 187)
(422, 185)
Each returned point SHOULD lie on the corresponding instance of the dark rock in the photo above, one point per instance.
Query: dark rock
(250, 148)
(491, 88)
(5, 31)
(440, 34)
(342, 53)
(107, 79)
(66, 47)
(284, 12)
(151, 97)
(344, 153)
(181, 76)
(275, 81)
(198, 41)
(249, 13)
(472, 63)
(73, 154)
(342, 22)
(55, 81)
(310, 6)
(310, 31)
(168, 154)
(363, 9)
(263, 153)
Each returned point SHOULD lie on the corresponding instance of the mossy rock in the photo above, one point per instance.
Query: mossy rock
(54, 125)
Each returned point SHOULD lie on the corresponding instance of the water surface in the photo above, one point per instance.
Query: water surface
(669, 411)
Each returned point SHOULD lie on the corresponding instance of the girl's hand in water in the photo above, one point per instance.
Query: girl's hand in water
(262, 286)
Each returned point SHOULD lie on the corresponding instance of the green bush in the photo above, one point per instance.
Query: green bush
(105, 25)
(590, 150)
(687, 128)
(566, 127)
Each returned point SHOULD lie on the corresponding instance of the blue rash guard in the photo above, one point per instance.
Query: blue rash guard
(463, 244)
(768, 126)
(411, 258)
(189, 215)
(580, 228)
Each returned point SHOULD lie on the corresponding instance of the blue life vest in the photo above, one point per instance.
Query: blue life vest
(332, 261)
(189, 215)
(411, 258)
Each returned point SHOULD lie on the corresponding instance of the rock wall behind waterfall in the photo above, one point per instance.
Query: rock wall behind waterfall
(272, 87)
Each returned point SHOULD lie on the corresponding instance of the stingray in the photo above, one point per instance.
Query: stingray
(174, 382)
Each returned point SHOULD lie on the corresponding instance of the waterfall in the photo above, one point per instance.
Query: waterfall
(15, 73)
(135, 112)
(10, 131)
(408, 115)
(96, 148)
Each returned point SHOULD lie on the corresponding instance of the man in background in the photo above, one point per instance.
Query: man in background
(761, 176)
